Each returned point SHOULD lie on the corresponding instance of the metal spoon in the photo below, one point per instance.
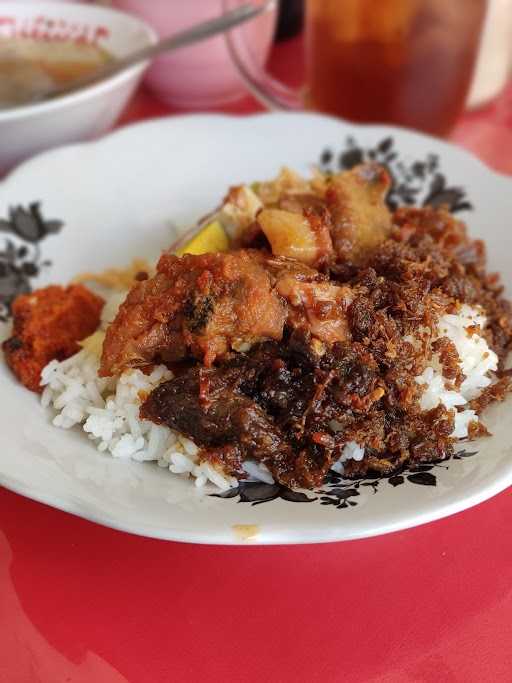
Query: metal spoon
(192, 35)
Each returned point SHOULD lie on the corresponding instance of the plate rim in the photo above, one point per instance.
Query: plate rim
(225, 536)
(196, 117)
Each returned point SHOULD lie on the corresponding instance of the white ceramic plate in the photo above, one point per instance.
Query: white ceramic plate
(128, 195)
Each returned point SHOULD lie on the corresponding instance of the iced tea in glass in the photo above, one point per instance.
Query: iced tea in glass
(407, 62)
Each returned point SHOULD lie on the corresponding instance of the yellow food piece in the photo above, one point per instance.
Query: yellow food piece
(93, 343)
(210, 239)
(289, 234)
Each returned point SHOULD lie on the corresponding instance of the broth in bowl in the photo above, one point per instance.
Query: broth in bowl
(31, 70)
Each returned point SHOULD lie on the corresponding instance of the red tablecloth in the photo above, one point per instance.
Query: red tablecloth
(82, 603)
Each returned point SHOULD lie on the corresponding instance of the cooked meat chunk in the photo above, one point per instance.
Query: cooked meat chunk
(315, 304)
(360, 218)
(319, 307)
(47, 325)
(274, 405)
(343, 218)
(205, 405)
(303, 236)
(246, 409)
(207, 305)
(203, 305)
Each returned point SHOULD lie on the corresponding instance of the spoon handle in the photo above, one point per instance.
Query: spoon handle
(199, 32)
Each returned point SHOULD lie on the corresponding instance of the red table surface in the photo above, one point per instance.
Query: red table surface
(83, 603)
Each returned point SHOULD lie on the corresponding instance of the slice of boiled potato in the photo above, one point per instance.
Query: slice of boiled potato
(289, 234)
(210, 239)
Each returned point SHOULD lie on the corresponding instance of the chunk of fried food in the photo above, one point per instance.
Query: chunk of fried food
(47, 325)
(343, 217)
(319, 308)
(207, 305)
(316, 305)
(301, 236)
(360, 217)
(199, 305)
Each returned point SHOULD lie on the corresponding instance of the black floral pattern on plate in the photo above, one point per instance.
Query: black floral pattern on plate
(414, 183)
(341, 492)
(337, 491)
(20, 254)
(256, 492)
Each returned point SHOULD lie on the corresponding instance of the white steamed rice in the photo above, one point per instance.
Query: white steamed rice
(107, 409)
(477, 363)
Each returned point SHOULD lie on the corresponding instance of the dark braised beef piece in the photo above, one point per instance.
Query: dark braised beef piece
(208, 406)
(255, 406)
(283, 405)
(293, 410)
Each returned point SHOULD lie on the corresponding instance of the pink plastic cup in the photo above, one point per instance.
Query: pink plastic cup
(203, 75)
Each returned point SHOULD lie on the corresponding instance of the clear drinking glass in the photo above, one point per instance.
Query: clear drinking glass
(406, 62)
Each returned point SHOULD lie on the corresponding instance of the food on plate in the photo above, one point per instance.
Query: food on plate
(48, 324)
(210, 239)
(195, 305)
(118, 278)
(305, 328)
(360, 218)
